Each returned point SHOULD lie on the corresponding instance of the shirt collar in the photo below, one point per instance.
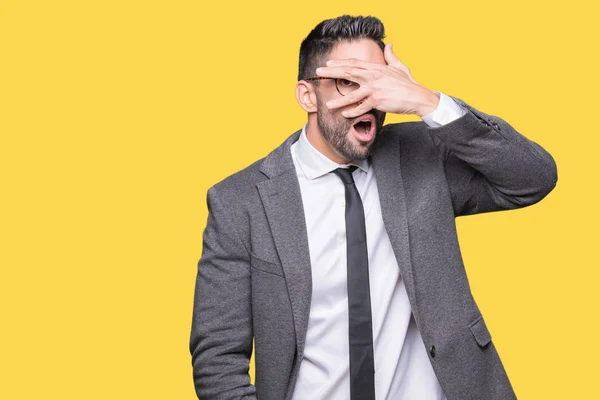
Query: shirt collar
(315, 164)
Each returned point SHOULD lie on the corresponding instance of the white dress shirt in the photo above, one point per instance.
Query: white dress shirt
(402, 367)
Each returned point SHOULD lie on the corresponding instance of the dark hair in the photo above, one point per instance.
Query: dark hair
(320, 41)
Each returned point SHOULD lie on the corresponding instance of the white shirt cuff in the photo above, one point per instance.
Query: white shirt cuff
(447, 111)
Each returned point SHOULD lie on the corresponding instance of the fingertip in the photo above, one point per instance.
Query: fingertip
(388, 50)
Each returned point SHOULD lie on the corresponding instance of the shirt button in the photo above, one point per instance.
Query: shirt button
(432, 351)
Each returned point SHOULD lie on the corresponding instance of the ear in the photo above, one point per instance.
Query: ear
(306, 96)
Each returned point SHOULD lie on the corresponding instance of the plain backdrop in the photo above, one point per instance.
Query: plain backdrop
(117, 116)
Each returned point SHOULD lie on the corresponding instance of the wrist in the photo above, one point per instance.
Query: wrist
(430, 103)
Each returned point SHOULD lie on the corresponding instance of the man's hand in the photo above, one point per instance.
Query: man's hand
(388, 88)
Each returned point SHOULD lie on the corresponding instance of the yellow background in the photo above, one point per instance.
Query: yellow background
(117, 116)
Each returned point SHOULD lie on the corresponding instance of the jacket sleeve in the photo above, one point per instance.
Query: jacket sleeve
(221, 335)
(490, 166)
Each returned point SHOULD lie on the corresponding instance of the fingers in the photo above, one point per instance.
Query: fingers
(393, 61)
(353, 97)
(346, 72)
(391, 58)
(353, 62)
(361, 109)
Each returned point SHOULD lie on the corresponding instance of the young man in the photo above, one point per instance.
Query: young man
(338, 251)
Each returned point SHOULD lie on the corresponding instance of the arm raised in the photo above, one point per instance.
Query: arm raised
(490, 166)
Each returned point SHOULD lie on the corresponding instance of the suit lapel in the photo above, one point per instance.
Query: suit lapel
(282, 201)
(390, 186)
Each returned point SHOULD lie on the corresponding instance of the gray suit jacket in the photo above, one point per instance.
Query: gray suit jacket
(254, 275)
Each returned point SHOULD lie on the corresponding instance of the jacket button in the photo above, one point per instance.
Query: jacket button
(432, 351)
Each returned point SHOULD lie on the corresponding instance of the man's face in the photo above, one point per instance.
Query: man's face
(352, 142)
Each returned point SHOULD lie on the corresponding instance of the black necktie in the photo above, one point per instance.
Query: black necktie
(362, 364)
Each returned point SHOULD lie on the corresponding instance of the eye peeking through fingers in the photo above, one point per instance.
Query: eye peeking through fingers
(346, 86)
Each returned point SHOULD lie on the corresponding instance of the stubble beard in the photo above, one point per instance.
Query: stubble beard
(337, 133)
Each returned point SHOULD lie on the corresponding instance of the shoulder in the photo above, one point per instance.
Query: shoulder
(243, 183)
(412, 141)
(410, 133)
(240, 184)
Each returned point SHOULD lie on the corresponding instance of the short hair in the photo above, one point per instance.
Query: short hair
(321, 40)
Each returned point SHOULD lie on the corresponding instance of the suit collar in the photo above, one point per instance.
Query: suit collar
(280, 159)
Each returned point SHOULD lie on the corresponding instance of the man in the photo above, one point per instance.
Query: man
(338, 254)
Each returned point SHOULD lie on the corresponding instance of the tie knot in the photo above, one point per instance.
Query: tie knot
(345, 174)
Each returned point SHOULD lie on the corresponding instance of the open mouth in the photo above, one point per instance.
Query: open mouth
(364, 128)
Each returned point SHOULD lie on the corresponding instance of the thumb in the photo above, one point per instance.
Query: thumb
(394, 62)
